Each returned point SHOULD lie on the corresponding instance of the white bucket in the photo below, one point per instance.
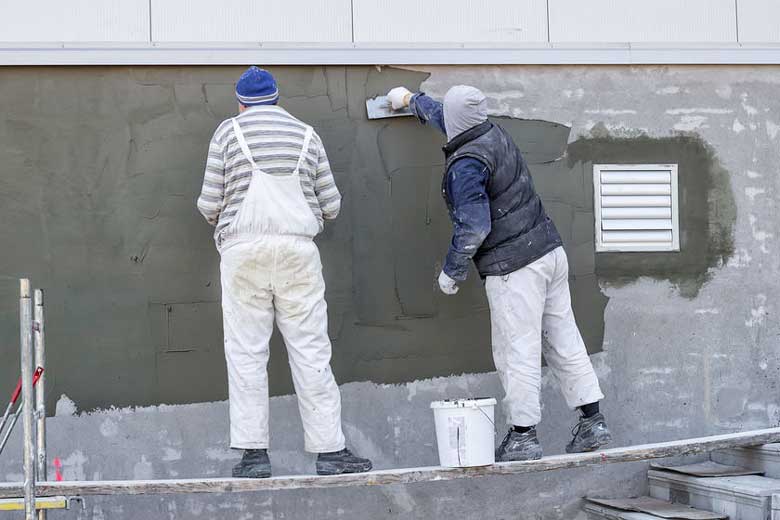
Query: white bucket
(465, 432)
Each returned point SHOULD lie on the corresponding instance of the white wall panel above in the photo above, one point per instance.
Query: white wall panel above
(759, 21)
(74, 21)
(288, 21)
(643, 21)
(456, 21)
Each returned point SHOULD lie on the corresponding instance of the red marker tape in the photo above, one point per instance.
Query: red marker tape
(57, 468)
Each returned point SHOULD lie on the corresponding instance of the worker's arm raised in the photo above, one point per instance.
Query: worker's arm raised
(427, 110)
(470, 212)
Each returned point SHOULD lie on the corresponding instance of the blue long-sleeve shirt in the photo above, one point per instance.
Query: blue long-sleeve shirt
(465, 184)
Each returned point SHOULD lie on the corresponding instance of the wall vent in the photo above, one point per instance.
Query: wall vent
(636, 207)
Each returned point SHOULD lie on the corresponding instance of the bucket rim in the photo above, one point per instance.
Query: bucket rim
(466, 402)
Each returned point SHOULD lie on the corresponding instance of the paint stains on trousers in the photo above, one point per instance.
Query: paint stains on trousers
(278, 278)
(524, 305)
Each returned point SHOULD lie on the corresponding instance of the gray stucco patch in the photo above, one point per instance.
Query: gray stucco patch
(103, 166)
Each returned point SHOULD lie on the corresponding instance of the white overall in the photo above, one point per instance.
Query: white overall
(524, 306)
(270, 269)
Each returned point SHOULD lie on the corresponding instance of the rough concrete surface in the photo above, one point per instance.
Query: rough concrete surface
(689, 343)
(103, 166)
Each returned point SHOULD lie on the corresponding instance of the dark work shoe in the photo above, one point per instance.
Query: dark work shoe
(338, 462)
(590, 434)
(518, 446)
(254, 464)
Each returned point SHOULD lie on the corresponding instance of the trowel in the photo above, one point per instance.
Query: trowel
(380, 108)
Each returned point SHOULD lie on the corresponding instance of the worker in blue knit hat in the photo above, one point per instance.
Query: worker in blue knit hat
(499, 224)
(259, 193)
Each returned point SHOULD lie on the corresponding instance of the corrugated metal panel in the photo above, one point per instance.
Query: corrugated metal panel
(450, 21)
(643, 21)
(301, 21)
(74, 21)
(636, 207)
(759, 20)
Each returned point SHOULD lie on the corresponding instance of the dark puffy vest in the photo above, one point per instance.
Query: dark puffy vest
(521, 232)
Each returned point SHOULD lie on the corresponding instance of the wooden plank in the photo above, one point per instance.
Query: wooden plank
(399, 476)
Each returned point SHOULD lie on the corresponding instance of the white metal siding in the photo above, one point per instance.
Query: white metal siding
(456, 21)
(643, 21)
(759, 20)
(74, 21)
(636, 207)
(298, 21)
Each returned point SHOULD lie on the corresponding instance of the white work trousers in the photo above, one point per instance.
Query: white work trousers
(271, 271)
(524, 305)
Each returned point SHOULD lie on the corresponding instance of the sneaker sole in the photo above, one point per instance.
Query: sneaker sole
(341, 469)
(262, 474)
(535, 456)
(595, 444)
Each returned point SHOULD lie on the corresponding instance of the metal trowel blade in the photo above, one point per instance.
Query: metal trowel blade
(380, 108)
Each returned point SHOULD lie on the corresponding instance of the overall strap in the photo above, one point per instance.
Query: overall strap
(305, 149)
(242, 143)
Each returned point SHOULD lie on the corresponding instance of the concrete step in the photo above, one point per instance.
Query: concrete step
(599, 512)
(765, 458)
(648, 509)
(746, 497)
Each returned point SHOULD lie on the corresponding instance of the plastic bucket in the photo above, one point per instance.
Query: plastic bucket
(465, 431)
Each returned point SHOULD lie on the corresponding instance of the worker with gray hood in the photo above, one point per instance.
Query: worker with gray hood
(500, 224)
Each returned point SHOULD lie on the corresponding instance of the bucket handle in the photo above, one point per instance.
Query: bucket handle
(488, 418)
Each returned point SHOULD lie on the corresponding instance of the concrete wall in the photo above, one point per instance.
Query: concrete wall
(104, 166)
(689, 346)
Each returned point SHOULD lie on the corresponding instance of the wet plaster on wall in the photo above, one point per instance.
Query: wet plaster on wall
(101, 168)
(707, 208)
(673, 366)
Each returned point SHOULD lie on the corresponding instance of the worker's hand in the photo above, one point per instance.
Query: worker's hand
(447, 285)
(399, 97)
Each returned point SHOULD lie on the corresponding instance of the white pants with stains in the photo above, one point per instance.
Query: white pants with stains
(278, 278)
(524, 305)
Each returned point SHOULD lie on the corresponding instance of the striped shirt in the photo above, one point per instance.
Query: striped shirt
(275, 138)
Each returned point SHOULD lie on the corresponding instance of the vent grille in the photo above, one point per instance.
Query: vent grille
(636, 207)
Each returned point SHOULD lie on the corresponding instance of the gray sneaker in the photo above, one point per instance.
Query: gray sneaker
(519, 446)
(590, 434)
(254, 464)
(338, 462)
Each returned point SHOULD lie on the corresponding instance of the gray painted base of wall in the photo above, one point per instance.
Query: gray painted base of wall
(392, 424)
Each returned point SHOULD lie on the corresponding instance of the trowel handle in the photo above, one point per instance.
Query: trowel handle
(17, 392)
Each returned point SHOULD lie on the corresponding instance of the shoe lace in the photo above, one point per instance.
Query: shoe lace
(577, 427)
(506, 437)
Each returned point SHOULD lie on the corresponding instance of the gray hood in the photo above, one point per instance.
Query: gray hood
(464, 107)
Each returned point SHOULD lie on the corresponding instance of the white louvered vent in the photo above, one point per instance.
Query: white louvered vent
(636, 207)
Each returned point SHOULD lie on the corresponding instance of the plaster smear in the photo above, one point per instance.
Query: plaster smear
(130, 267)
(103, 217)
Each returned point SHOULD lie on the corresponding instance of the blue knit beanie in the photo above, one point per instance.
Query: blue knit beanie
(257, 87)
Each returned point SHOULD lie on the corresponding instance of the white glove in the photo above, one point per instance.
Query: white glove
(447, 285)
(399, 97)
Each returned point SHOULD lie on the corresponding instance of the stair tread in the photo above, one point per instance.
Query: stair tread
(753, 485)
(773, 448)
(612, 513)
(707, 469)
(645, 507)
